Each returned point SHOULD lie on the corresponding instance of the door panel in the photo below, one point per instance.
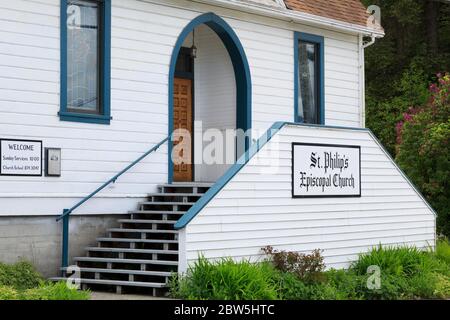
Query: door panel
(182, 119)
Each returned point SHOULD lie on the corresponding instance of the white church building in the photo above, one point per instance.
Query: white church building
(136, 135)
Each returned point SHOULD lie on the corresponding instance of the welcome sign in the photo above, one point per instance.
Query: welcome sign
(20, 157)
(325, 170)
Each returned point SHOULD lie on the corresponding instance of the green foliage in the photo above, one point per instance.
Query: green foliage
(45, 291)
(8, 293)
(383, 115)
(424, 149)
(307, 267)
(21, 281)
(397, 261)
(54, 291)
(293, 288)
(399, 69)
(21, 275)
(226, 280)
(443, 251)
(406, 273)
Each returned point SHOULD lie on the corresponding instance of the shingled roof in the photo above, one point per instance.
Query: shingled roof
(351, 11)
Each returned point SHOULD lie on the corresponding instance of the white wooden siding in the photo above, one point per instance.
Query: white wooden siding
(143, 36)
(215, 96)
(255, 209)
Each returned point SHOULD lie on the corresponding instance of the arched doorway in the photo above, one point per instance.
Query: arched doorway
(239, 65)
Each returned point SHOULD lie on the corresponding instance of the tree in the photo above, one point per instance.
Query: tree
(400, 66)
(423, 150)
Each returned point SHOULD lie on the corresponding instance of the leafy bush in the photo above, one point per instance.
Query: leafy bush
(383, 114)
(21, 275)
(304, 266)
(293, 288)
(54, 291)
(8, 293)
(45, 291)
(21, 281)
(397, 261)
(423, 138)
(406, 273)
(442, 289)
(443, 251)
(226, 280)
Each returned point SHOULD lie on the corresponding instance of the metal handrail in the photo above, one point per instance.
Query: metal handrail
(66, 212)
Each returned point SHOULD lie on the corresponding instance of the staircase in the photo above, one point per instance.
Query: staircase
(142, 254)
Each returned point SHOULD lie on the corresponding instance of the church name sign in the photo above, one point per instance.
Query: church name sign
(325, 170)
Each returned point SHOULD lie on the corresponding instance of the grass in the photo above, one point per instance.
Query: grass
(405, 273)
(21, 281)
(226, 280)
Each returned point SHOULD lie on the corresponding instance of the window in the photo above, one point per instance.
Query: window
(85, 61)
(309, 75)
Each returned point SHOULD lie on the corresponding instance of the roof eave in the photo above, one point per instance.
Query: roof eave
(296, 17)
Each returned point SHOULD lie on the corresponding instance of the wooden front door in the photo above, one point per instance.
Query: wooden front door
(182, 119)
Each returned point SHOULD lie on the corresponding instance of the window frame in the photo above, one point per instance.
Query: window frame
(104, 69)
(320, 69)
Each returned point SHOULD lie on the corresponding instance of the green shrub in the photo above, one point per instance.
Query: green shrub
(393, 287)
(54, 291)
(443, 251)
(8, 293)
(226, 280)
(21, 275)
(20, 281)
(442, 289)
(347, 283)
(423, 138)
(293, 288)
(396, 261)
(406, 273)
(307, 267)
(383, 114)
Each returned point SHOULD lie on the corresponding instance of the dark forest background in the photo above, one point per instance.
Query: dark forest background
(407, 94)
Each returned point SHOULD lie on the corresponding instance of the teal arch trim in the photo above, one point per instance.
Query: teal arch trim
(241, 72)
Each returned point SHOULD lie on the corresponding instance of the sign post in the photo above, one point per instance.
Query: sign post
(20, 157)
(325, 170)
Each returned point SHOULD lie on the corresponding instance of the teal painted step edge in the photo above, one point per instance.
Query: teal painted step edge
(253, 150)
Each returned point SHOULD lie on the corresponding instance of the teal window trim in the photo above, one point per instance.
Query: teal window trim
(319, 40)
(105, 71)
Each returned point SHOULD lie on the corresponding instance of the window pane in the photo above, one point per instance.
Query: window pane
(308, 82)
(83, 55)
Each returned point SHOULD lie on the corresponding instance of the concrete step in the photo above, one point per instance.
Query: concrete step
(144, 221)
(129, 261)
(125, 271)
(127, 250)
(118, 282)
(141, 231)
(137, 240)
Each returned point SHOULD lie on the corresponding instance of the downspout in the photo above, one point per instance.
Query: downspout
(362, 76)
